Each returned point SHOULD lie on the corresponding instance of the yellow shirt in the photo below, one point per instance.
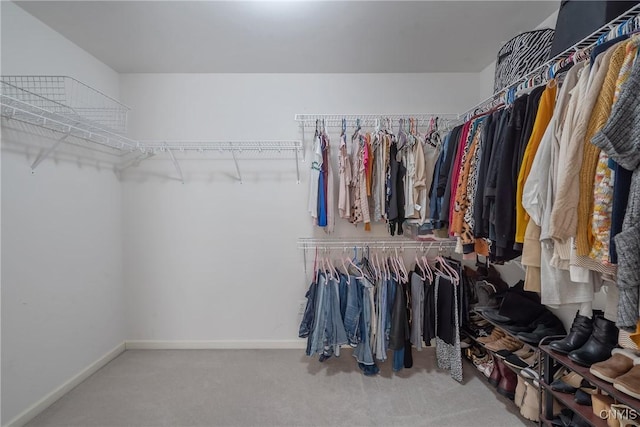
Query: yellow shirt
(543, 117)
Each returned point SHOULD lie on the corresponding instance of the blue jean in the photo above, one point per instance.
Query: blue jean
(363, 352)
(353, 311)
(383, 337)
(336, 335)
(398, 359)
(318, 336)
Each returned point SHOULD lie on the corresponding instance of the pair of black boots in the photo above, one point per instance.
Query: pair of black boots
(590, 340)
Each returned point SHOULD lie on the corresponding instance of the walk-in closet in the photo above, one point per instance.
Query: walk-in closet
(320, 213)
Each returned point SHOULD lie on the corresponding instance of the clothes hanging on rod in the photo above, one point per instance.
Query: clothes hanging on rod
(384, 176)
(384, 311)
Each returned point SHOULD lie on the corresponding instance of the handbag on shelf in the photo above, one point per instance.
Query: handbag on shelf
(521, 55)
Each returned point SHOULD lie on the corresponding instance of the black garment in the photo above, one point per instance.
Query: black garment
(489, 206)
(488, 134)
(506, 180)
(445, 311)
(429, 317)
(400, 331)
(533, 102)
(306, 326)
(446, 172)
(396, 202)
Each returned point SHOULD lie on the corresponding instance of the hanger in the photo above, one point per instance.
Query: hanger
(422, 276)
(402, 267)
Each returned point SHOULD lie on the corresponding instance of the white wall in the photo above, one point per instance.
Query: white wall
(214, 259)
(62, 286)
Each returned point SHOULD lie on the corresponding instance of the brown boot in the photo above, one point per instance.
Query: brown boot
(496, 375)
(629, 383)
(620, 362)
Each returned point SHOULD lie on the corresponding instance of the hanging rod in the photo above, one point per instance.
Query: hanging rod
(233, 147)
(369, 120)
(623, 24)
(373, 243)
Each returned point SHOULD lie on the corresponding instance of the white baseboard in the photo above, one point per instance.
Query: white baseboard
(28, 414)
(214, 345)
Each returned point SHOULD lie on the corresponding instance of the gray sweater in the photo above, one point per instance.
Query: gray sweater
(620, 139)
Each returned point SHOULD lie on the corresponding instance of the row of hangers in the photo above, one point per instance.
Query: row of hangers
(389, 265)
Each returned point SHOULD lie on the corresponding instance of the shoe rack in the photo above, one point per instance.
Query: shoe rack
(551, 362)
(494, 355)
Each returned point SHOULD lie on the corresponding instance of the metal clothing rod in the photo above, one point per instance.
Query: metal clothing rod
(623, 24)
(373, 243)
(369, 120)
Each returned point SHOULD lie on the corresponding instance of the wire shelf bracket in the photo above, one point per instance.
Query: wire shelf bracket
(47, 152)
(233, 147)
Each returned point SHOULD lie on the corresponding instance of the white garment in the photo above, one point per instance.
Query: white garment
(314, 177)
(556, 287)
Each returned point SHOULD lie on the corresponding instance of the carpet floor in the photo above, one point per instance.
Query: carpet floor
(275, 388)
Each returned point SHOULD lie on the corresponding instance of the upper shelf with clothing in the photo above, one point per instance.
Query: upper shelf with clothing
(627, 23)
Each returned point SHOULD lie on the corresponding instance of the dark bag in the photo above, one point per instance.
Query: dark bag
(521, 55)
(578, 19)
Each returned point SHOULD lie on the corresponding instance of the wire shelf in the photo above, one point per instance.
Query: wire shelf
(623, 24)
(26, 106)
(68, 97)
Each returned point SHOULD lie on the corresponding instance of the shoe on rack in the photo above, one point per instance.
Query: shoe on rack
(629, 383)
(520, 363)
(540, 332)
(568, 383)
(582, 398)
(495, 375)
(505, 343)
(601, 405)
(465, 342)
(518, 397)
(496, 334)
(570, 419)
(620, 362)
(625, 416)
(580, 331)
(598, 347)
(487, 296)
(494, 316)
(508, 382)
(530, 408)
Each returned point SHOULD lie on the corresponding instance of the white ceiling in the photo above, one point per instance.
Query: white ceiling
(291, 36)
